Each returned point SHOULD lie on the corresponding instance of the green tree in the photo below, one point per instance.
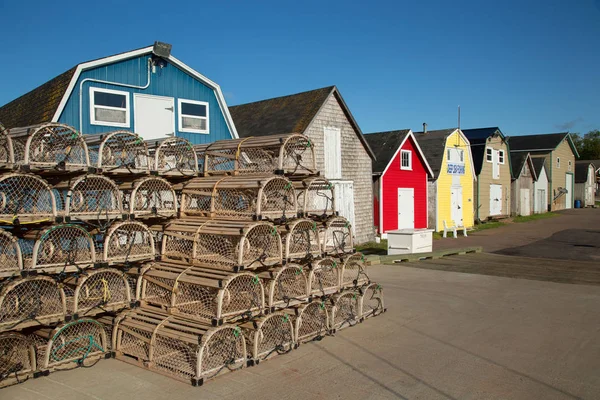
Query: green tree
(588, 145)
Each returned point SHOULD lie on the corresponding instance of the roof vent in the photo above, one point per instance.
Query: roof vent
(424, 127)
(162, 49)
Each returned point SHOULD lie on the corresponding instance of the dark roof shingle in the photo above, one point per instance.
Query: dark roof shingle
(582, 170)
(538, 163)
(384, 146)
(477, 138)
(541, 142)
(433, 144)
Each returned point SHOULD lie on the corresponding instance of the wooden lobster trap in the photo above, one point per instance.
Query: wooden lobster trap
(89, 198)
(174, 156)
(50, 148)
(290, 154)
(315, 198)
(286, 286)
(81, 342)
(128, 242)
(323, 277)
(268, 336)
(300, 240)
(336, 236)
(59, 248)
(223, 245)
(149, 197)
(202, 294)
(31, 301)
(344, 310)
(311, 321)
(25, 199)
(371, 301)
(17, 358)
(98, 291)
(7, 155)
(354, 271)
(119, 152)
(239, 198)
(176, 347)
(11, 261)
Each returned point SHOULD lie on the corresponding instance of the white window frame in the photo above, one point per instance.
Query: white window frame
(502, 155)
(558, 162)
(491, 154)
(180, 116)
(460, 155)
(409, 167)
(93, 107)
(569, 165)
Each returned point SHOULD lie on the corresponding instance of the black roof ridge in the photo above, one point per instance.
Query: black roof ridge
(331, 88)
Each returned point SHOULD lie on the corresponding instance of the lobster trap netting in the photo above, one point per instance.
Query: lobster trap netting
(269, 336)
(7, 158)
(31, 301)
(239, 197)
(205, 295)
(60, 248)
(149, 197)
(354, 271)
(371, 301)
(50, 147)
(344, 310)
(324, 277)
(300, 239)
(225, 245)
(173, 156)
(98, 291)
(286, 286)
(118, 152)
(337, 236)
(25, 198)
(77, 343)
(89, 198)
(128, 241)
(11, 261)
(17, 358)
(315, 197)
(297, 155)
(235, 157)
(312, 322)
(180, 348)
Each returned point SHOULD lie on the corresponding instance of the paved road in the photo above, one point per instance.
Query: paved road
(574, 234)
(446, 336)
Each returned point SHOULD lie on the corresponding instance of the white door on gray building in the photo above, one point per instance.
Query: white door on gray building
(406, 208)
(154, 116)
(456, 202)
(332, 152)
(569, 195)
(525, 202)
(344, 200)
(495, 199)
(540, 201)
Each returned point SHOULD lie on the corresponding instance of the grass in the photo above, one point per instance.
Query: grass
(373, 247)
(534, 217)
(488, 225)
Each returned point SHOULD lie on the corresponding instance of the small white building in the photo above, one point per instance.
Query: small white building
(540, 186)
(585, 183)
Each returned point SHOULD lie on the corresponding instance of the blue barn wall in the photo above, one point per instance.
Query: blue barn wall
(169, 81)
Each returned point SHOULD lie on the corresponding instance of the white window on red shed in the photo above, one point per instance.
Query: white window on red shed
(406, 159)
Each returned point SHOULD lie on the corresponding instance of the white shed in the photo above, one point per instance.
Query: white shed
(540, 187)
(585, 183)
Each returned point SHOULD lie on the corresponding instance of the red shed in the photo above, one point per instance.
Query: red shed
(400, 175)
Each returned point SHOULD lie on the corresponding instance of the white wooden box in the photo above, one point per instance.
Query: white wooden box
(409, 241)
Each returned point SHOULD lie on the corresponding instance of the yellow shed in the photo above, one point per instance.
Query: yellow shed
(450, 191)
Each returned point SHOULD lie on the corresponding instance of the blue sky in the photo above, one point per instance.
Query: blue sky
(526, 66)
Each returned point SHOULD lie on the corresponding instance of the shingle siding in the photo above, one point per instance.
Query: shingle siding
(356, 163)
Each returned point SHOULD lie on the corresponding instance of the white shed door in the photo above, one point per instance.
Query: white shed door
(332, 149)
(569, 195)
(344, 200)
(406, 208)
(457, 205)
(540, 201)
(496, 164)
(154, 116)
(525, 202)
(495, 199)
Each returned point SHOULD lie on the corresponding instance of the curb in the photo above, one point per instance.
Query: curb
(400, 258)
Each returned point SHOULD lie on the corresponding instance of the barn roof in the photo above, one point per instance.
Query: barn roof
(540, 142)
(287, 114)
(433, 144)
(518, 160)
(582, 170)
(385, 146)
(538, 164)
(478, 138)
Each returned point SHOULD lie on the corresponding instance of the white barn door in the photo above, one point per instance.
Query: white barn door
(495, 199)
(332, 153)
(457, 205)
(406, 208)
(344, 200)
(569, 195)
(525, 202)
(154, 116)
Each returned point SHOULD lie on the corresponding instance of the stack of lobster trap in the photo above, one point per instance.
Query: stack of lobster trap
(188, 261)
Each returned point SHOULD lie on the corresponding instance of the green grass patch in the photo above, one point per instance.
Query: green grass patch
(373, 247)
(534, 217)
(488, 225)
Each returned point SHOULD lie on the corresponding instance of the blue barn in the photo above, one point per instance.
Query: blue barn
(147, 91)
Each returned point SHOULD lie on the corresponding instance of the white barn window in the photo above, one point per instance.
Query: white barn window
(109, 107)
(193, 116)
(488, 154)
(406, 159)
(557, 162)
(501, 156)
